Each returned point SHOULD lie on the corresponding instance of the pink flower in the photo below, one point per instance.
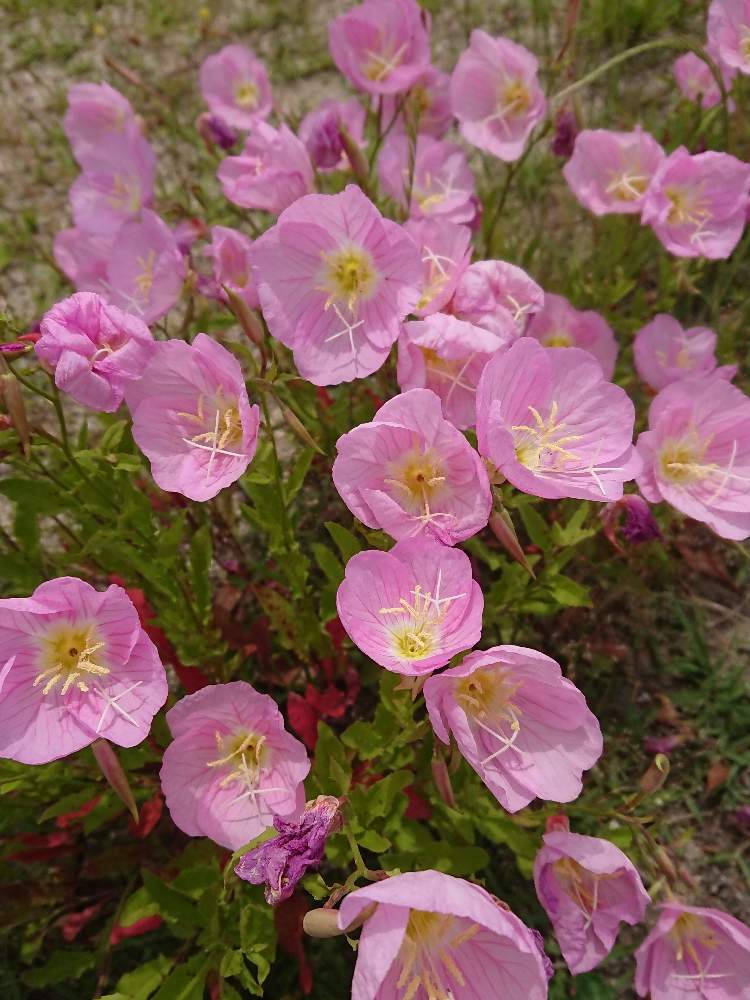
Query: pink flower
(335, 279)
(729, 32)
(611, 171)
(410, 471)
(298, 847)
(413, 608)
(696, 204)
(235, 86)
(696, 81)
(587, 886)
(495, 95)
(696, 453)
(694, 952)
(559, 324)
(553, 425)
(523, 727)
(82, 257)
(426, 106)
(97, 117)
(320, 130)
(448, 356)
(498, 296)
(232, 766)
(76, 666)
(272, 171)
(230, 251)
(665, 353)
(381, 46)
(446, 252)
(433, 935)
(442, 185)
(145, 268)
(192, 418)
(94, 348)
(105, 197)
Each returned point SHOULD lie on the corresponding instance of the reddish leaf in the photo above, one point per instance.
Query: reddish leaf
(72, 924)
(140, 927)
(42, 846)
(302, 718)
(67, 819)
(150, 814)
(419, 807)
(717, 774)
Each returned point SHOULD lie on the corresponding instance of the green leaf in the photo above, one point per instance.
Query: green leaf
(138, 906)
(328, 562)
(113, 435)
(62, 965)
(569, 592)
(347, 543)
(143, 981)
(297, 474)
(172, 904)
(186, 982)
(201, 553)
(536, 526)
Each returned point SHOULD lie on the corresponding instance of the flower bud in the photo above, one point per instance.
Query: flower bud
(356, 158)
(11, 392)
(112, 770)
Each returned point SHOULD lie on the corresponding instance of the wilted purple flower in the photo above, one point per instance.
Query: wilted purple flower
(638, 523)
(549, 969)
(566, 130)
(298, 847)
(214, 131)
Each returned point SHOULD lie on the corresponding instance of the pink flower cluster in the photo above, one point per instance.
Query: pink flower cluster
(695, 204)
(118, 247)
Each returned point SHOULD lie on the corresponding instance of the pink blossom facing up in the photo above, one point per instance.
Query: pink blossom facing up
(446, 252)
(696, 205)
(553, 425)
(381, 46)
(665, 353)
(94, 349)
(609, 172)
(448, 356)
(410, 471)
(82, 257)
(442, 186)
(434, 935)
(426, 107)
(232, 767)
(729, 33)
(559, 324)
(696, 81)
(76, 667)
(192, 418)
(97, 117)
(272, 171)
(230, 252)
(587, 887)
(103, 198)
(696, 453)
(234, 84)
(499, 297)
(413, 608)
(145, 268)
(523, 727)
(694, 951)
(495, 95)
(335, 279)
(298, 847)
(320, 131)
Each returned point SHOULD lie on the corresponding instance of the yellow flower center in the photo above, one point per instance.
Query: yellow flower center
(628, 185)
(379, 65)
(66, 658)
(145, 278)
(126, 194)
(559, 338)
(581, 885)
(486, 696)
(221, 432)
(428, 953)
(417, 477)
(246, 94)
(515, 98)
(687, 208)
(437, 276)
(543, 444)
(349, 276)
(416, 632)
(680, 460)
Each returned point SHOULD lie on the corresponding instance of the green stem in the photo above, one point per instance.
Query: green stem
(30, 385)
(286, 527)
(505, 190)
(683, 44)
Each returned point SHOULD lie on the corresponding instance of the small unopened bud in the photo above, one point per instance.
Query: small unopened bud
(443, 780)
(666, 866)
(558, 823)
(502, 528)
(112, 770)
(653, 779)
(299, 429)
(356, 159)
(11, 391)
(324, 922)
(245, 316)
(15, 350)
